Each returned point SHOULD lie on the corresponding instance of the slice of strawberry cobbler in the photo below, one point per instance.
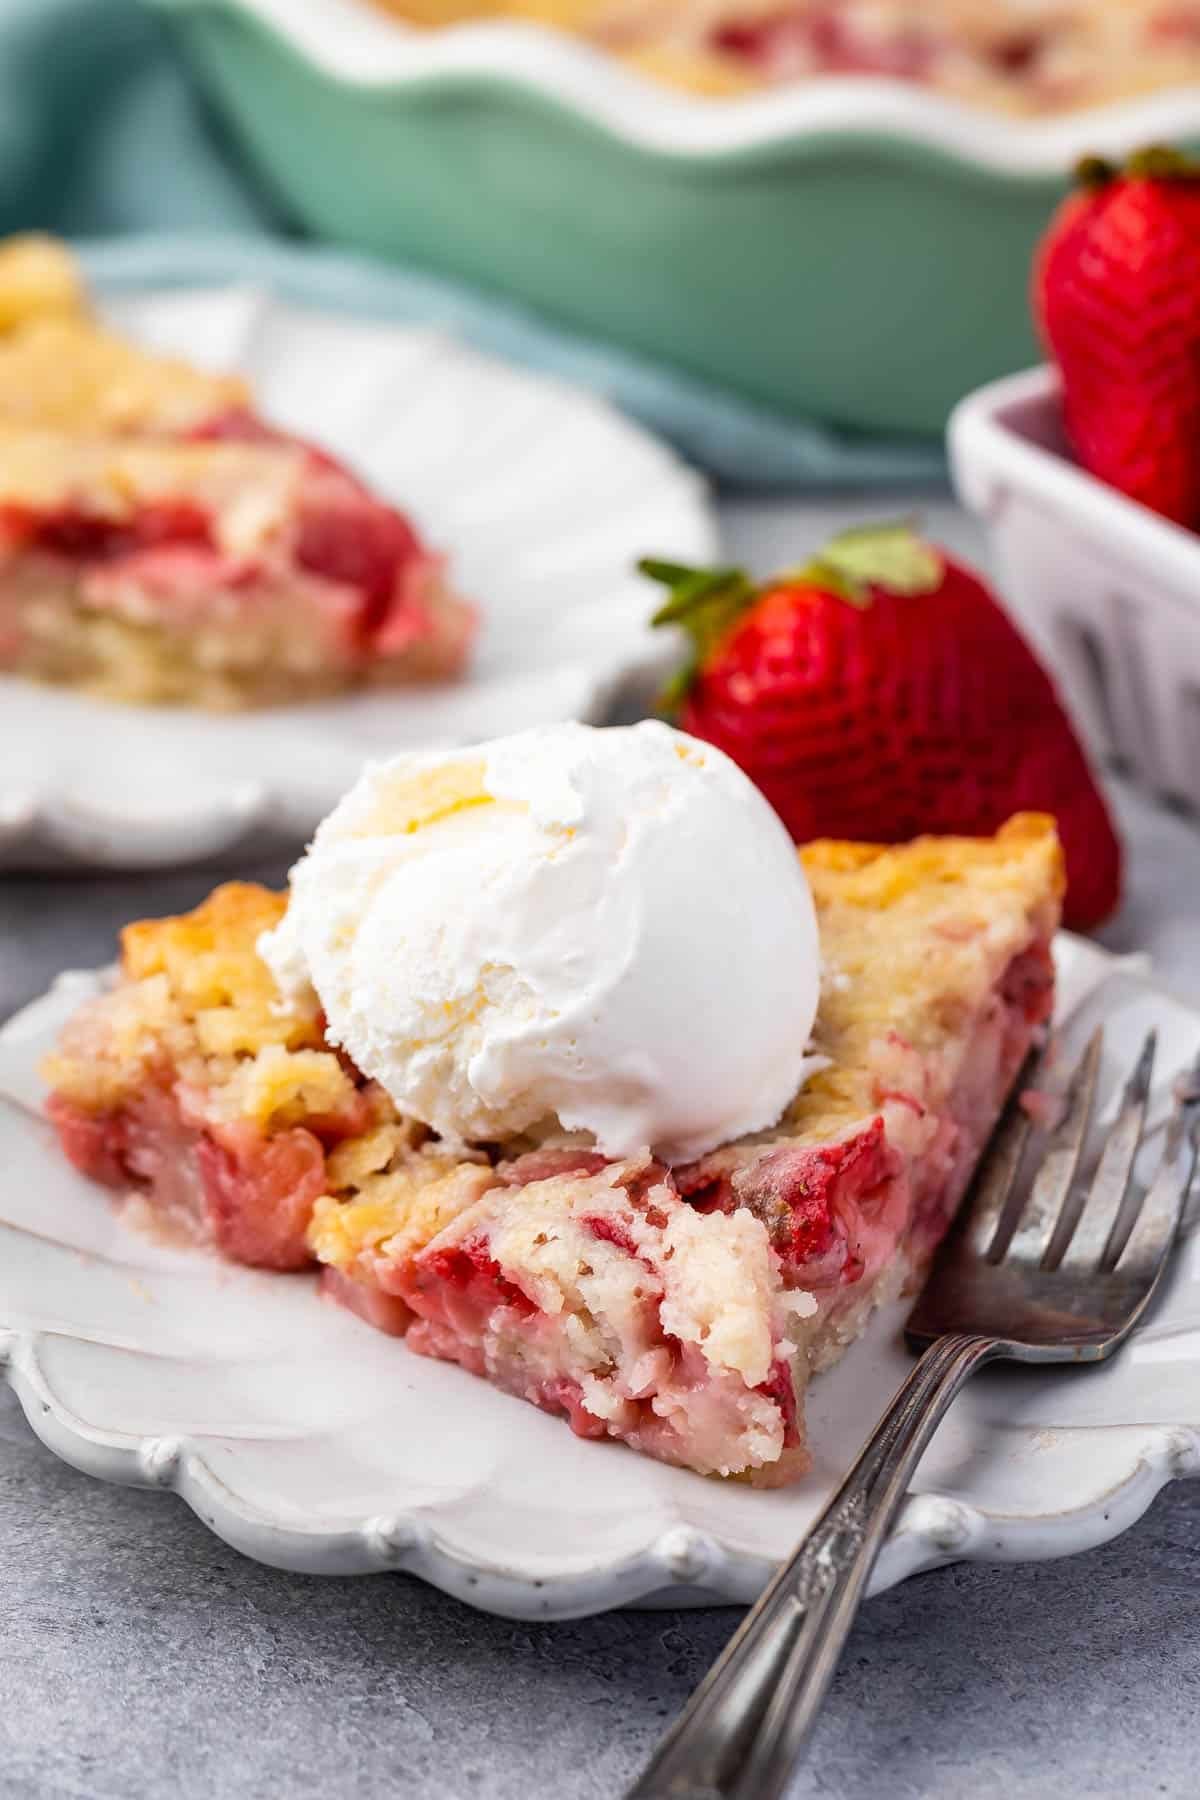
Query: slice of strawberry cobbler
(159, 542)
(679, 1309)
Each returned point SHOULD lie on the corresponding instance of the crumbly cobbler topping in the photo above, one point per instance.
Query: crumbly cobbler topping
(69, 375)
(246, 493)
(39, 278)
(86, 418)
(877, 909)
(198, 1007)
(196, 999)
(388, 1212)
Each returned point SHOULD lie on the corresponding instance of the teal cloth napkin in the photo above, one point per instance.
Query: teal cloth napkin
(104, 136)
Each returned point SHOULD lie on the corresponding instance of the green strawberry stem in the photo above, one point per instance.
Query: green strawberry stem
(708, 603)
(1162, 162)
(1156, 162)
(891, 556)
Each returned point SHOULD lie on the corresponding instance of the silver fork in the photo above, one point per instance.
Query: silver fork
(1054, 1269)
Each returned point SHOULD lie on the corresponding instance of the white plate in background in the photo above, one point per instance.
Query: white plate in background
(312, 1442)
(542, 496)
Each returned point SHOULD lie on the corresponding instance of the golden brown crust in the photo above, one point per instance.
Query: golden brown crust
(67, 374)
(911, 937)
(1024, 853)
(229, 922)
(197, 998)
(39, 278)
(85, 417)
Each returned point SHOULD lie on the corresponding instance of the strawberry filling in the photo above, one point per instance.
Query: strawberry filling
(361, 565)
(259, 1197)
(1177, 25)
(781, 1389)
(79, 536)
(373, 1305)
(815, 1200)
(347, 537)
(468, 1271)
(93, 1143)
(644, 1385)
(1028, 985)
(611, 1231)
(1017, 54)
(144, 1145)
(544, 1165)
(793, 42)
(562, 1395)
(249, 1194)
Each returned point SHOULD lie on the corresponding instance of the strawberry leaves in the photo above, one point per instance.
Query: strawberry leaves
(708, 603)
(889, 556)
(1154, 162)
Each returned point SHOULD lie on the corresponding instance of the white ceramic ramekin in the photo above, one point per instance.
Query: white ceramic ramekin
(1108, 591)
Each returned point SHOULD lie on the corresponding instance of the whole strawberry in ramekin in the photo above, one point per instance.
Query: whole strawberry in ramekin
(1116, 293)
(880, 692)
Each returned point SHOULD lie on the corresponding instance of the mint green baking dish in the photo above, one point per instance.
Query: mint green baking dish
(849, 250)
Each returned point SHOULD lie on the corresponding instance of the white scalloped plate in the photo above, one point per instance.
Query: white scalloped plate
(543, 497)
(310, 1441)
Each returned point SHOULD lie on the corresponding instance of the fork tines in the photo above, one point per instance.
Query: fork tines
(1060, 1221)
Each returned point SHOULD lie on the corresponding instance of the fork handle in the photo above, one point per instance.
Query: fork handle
(742, 1732)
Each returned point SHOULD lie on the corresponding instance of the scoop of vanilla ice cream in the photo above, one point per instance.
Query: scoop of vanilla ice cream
(568, 930)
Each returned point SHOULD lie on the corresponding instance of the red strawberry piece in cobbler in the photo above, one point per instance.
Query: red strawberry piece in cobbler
(802, 40)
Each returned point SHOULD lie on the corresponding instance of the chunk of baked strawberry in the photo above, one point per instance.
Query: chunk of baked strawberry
(259, 1195)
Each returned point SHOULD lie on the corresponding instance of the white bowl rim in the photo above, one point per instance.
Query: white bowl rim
(357, 44)
(987, 447)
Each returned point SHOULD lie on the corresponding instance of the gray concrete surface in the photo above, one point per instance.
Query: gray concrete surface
(140, 1657)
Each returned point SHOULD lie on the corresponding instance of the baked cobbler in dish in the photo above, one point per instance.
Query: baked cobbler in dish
(160, 542)
(1021, 56)
(680, 1307)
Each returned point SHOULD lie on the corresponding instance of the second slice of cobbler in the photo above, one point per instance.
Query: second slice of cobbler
(159, 541)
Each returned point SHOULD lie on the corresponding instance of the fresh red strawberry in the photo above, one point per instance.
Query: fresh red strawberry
(1116, 292)
(880, 692)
